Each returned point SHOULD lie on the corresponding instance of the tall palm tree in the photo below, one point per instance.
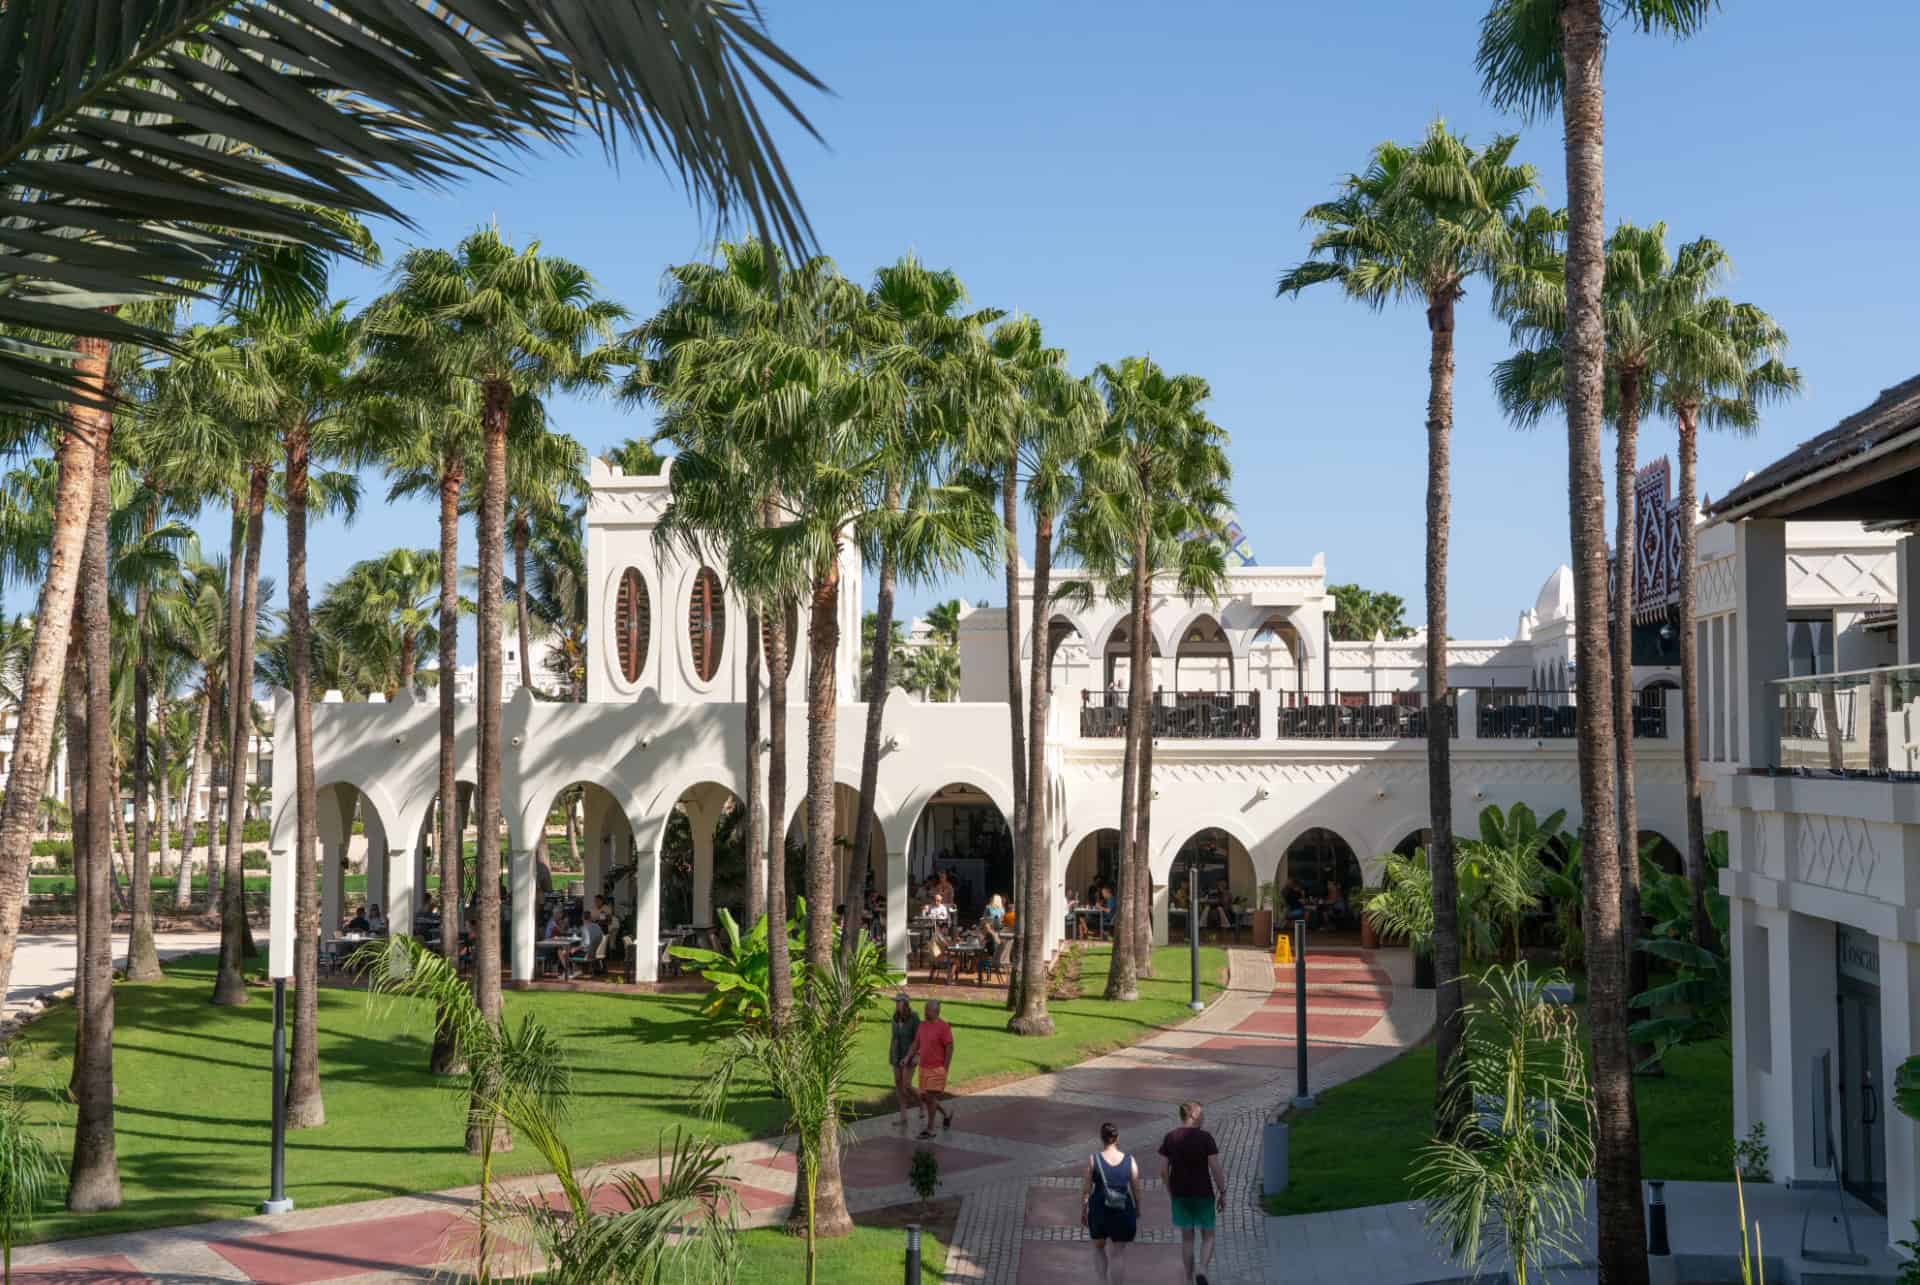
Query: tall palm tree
(1536, 56)
(544, 476)
(925, 343)
(1720, 382)
(297, 368)
(556, 595)
(1153, 479)
(512, 325)
(384, 608)
(1057, 416)
(1418, 225)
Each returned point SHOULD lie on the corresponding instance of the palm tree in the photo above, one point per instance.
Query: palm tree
(1538, 55)
(512, 325)
(1419, 224)
(1056, 418)
(544, 475)
(384, 609)
(943, 621)
(1153, 480)
(1720, 382)
(556, 595)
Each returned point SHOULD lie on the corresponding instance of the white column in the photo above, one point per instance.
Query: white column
(1760, 655)
(375, 835)
(1805, 1026)
(280, 898)
(333, 870)
(1899, 1001)
(1907, 586)
(1160, 915)
(402, 899)
(646, 907)
(700, 823)
(522, 885)
(897, 908)
(1467, 711)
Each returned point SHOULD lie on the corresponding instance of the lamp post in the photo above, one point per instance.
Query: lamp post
(1193, 937)
(277, 1201)
(1302, 1099)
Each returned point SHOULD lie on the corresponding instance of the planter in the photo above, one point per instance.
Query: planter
(1369, 939)
(1423, 971)
(1263, 928)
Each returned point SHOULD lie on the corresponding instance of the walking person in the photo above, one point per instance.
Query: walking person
(933, 1054)
(1110, 1203)
(1196, 1186)
(906, 1023)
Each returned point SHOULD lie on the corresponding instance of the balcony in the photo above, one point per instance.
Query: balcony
(1203, 716)
(1861, 724)
(1356, 716)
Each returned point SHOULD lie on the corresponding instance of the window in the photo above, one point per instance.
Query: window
(706, 624)
(632, 625)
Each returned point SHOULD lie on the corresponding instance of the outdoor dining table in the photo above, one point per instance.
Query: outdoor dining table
(968, 954)
(558, 947)
(1088, 920)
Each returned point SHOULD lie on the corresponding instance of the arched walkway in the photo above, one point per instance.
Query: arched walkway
(351, 830)
(1203, 658)
(962, 830)
(1068, 665)
(1319, 858)
(1223, 872)
(1093, 863)
(703, 859)
(585, 831)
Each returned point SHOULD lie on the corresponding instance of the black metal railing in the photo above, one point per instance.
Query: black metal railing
(1650, 718)
(1357, 716)
(1207, 716)
(1541, 716)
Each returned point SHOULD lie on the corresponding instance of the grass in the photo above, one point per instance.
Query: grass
(352, 885)
(193, 1096)
(877, 1250)
(1357, 1146)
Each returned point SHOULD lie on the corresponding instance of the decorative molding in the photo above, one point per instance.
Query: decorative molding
(607, 507)
(1824, 576)
(1715, 587)
(1834, 852)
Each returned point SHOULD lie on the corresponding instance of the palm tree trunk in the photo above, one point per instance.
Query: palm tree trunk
(830, 1216)
(75, 713)
(143, 961)
(445, 1058)
(1621, 1241)
(80, 447)
(1625, 579)
(1029, 983)
(1010, 523)
(1448, 997)
(1143, 847)
(486, 873)
(877, 685)
(93, 1181)
(161, 753)
(755, 787)
(779, 963)
(119, 868)
(229, 987)
(1697, 870)
(306, 1109)
(189, 827)
(408, 660)
(520, 596)
(1123, 979)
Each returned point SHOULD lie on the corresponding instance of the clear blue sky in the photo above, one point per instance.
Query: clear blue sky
(1133, 174)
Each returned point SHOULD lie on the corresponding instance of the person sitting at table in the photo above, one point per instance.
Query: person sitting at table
(939, 912)
(1295, 899)
(602, 913)
(1337, 912)
(1218, 912)
(376, 922)
(1180, 896)
(556, 925)
(996, 910)
(427, 906)
(591, 935)
(1106, 909)
(358, 922)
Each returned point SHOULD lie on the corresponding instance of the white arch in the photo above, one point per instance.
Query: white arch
(904, 820)
(1161, 864)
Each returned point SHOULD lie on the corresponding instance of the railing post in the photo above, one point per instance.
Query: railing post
(1467, 705)
(1270, 714)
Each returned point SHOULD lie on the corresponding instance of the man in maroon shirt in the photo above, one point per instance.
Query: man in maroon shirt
(1196, 1187)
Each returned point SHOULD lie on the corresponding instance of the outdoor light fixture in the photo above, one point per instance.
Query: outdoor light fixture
(1264, 792)
(1380, 793)
(514, 741)
(646, 742)
(893, 744)
(1666, 632)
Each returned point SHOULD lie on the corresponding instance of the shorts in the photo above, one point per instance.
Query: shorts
(1121, 1226)
(1193, 1213)
(933, 1079)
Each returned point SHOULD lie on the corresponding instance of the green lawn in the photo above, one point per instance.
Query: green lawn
(354, 886)
(193, 1090)
(772, 1257)
(1357, 1146)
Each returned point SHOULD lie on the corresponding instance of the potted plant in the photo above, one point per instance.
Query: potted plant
(1403, 908)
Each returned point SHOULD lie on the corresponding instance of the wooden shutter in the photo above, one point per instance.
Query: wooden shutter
(632, 624)
(706, 624)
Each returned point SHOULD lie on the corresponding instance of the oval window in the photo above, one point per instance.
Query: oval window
(632, 624)
(706, 624)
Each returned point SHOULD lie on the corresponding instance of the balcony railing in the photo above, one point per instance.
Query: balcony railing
(1356, 716)
(1527, 716)
(1861, 723)
(1207, 716)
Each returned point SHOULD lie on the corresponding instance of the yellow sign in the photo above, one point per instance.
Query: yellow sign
(1283, 949)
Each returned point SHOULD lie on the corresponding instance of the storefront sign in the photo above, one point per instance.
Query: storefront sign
(1859, 957)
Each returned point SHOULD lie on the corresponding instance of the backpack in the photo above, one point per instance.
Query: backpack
(1108, 1196)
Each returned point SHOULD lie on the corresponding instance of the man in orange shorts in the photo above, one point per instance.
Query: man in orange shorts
(933, 1054)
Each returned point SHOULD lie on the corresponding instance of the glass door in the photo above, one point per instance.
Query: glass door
(1863, 1167)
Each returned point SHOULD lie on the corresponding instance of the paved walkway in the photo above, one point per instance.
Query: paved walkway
(43, 962)
(1013, 1155)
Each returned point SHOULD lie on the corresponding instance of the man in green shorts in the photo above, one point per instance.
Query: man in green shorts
(1196, 1185)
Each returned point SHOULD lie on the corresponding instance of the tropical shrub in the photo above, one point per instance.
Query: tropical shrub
(742, 973)
(1513, 1171)
(1403, 906)
(923, 1173)
(30, 1171)
(1695, 1007)
(1567, 889)
(1502, 877)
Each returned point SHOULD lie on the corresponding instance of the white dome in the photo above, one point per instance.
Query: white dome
(1556, 596)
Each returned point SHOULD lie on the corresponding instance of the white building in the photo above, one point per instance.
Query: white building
(1814, 698)
(1275, 747)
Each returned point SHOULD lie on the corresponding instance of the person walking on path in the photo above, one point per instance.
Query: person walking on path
(1110, 1203)
(900, 1054)
(1196, 1186)
(933, 1054)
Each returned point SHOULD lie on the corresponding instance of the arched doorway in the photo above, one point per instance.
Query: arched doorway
(1225, 875)
(846, 806)
(1277, 656)
(962, 831)
(1117, 661)
(359, 873)
(1094, 864)
(1203, 658)
(1068, 664)
(1320, 858)
(703, 860)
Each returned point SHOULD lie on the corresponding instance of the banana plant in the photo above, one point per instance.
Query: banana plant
(742, 973)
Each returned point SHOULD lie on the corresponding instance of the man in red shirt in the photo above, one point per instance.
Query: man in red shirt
(933, 1054)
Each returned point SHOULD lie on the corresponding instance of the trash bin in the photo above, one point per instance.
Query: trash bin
(1273, 1158)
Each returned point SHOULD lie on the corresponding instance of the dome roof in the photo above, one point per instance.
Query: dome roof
(1556, 596)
